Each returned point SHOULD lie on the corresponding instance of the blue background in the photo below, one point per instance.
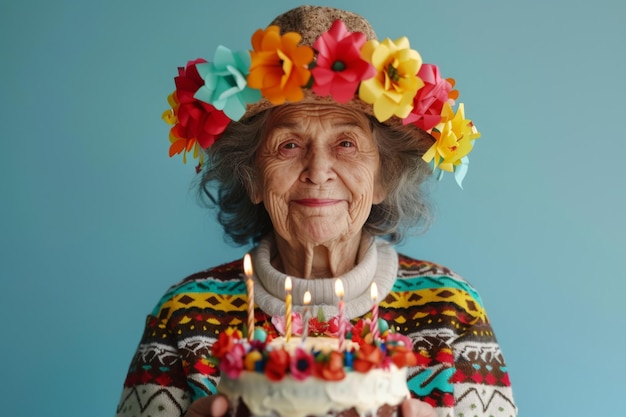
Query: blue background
(97, 221)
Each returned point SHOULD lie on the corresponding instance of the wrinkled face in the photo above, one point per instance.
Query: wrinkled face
(318, 173)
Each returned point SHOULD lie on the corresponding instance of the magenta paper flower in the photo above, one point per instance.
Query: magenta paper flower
(339, 67)
(429, 100)
(296, 324)
(301, 365)
(232, 362)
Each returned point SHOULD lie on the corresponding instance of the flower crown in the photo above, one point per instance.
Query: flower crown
(342, 65)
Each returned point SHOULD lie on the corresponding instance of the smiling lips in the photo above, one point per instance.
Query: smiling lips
(316, 202)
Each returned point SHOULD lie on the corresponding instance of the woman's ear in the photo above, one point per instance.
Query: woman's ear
(255, 192)
(380, 193)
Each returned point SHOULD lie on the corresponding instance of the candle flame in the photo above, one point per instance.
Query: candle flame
(374, 291)
(247, 265)
(339, 288)
(307, 298)
(288, 284)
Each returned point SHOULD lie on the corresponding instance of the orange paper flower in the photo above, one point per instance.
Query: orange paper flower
(279, 67)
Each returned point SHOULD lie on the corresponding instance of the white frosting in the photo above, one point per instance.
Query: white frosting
(318, 343)
(366, 392)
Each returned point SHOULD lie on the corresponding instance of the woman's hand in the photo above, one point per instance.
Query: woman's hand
(211, 406)
(415, 408)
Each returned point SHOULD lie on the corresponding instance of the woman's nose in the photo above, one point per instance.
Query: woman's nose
(319, 166)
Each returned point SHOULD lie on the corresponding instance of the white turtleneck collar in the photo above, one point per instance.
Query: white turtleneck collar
(378, 263)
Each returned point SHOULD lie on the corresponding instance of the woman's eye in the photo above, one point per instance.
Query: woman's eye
(346, 144)
(289, 145)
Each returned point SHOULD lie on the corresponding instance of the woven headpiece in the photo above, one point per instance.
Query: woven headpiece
(326, 55)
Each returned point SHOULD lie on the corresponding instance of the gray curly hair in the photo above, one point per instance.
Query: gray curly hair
(229, 178)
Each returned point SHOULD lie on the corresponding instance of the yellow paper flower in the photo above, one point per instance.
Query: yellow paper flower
(279, 67)
(396, 82)
(454, 139)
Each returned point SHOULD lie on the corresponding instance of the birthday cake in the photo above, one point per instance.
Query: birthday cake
(317, 376)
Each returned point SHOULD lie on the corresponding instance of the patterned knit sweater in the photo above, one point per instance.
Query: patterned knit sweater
(465, 377)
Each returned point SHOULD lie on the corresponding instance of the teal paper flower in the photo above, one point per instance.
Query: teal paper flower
(225, 85)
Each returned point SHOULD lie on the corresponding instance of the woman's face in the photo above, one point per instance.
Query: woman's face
(318, 173)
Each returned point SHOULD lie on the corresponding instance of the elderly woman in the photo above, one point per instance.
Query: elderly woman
(319, 167)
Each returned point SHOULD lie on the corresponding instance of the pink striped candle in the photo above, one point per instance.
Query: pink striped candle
(342, 312)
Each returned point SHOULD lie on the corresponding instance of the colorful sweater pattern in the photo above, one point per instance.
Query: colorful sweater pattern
(465, 375)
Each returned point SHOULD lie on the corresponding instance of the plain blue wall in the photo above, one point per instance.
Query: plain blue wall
(97, 221)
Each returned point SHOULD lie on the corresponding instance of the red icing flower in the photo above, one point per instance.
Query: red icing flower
(317, 327)
(333, 326)
(195, 122)
(339, 67)
(429, 100)
(301, 365)
(224, 343)
(330, 367)
(402, 356)
(368, 357)
(277, 364)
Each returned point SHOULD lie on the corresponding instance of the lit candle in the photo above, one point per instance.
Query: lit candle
(342, 312)
(247, 269)
(288, 308)
(305, 314)
(374, 293)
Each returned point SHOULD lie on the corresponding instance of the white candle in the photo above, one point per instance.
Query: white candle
(305, 315)
(374, 294)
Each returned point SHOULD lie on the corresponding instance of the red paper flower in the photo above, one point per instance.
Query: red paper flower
(330, 367)
(301, 365)
(339, 67)
(195, 122)
(429, 100)
(277, 364)
(368, 357)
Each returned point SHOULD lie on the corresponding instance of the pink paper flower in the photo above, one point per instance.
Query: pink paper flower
(429, 100)
(339, 67)
(301, 365)
(296, 324)
(399, 339)
(232, 362)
